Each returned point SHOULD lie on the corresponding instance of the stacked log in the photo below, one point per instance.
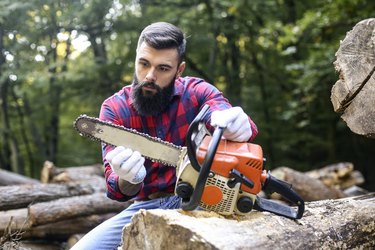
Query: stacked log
(10, 178)
(330, 182)
(65, 204)
(62, 207)
(52, 174)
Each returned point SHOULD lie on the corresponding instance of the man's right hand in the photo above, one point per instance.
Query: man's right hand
(127, 164)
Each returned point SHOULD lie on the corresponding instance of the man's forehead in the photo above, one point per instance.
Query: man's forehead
(147, 52)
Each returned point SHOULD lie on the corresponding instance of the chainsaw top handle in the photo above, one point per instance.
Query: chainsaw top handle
(194, 137)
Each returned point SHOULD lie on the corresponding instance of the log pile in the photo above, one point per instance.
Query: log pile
(56, 211)
(331, 182)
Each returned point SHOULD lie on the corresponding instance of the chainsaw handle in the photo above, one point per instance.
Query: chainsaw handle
(204, 170)
(274, 185)
(194, 137)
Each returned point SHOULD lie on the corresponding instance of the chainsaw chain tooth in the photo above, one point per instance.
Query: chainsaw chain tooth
(96, 120)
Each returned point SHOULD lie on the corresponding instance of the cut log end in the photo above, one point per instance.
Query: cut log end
(353, 94)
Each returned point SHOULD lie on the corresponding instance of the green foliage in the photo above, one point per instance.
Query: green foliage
(274, 58)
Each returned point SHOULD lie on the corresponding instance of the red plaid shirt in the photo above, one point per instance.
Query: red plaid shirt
(190, 94)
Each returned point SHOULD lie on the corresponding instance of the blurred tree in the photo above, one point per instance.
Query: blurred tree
(61, 58)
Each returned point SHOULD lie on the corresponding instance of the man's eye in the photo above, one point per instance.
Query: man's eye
(162, 68)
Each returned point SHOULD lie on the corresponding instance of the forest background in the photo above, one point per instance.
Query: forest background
(62, 58)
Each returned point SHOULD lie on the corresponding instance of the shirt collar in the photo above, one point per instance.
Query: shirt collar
(178, 87)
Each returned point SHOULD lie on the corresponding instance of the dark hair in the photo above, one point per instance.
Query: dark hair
(162, 35)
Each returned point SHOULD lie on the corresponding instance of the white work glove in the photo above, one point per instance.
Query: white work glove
(236, 122)
(127, 164)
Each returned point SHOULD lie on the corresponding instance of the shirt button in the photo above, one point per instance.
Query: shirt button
(160, 133)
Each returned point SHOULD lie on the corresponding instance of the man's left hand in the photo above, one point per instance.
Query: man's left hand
(235, 121)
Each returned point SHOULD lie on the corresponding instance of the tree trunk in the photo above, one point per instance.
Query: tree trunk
(20, 196)
(10, 152)
(330, 224)
(232, 58)
(28, 164)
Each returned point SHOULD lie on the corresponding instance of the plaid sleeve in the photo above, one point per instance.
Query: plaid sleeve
(107, 113)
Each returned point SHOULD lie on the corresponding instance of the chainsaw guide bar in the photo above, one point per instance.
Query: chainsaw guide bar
(150, 147)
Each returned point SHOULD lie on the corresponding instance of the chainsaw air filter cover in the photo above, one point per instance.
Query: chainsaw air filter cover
(244, 158)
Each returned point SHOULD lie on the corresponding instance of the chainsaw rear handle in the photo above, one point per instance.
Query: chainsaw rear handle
(204, 169)
(274, 185)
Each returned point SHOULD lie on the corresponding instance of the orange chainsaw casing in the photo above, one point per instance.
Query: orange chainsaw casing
(247, 158)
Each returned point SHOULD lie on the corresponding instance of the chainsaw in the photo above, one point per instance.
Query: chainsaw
(212, 173)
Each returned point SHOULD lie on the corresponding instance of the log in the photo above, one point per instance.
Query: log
(73, 239)
(62, 230)
(330, 224)
(341, 175)
(72, 207)
(353, 94)
(32, 245)
(11, 178)
(309, 188)
(20, 196)
(16, 219)
(52, 174)
(58, 231)
(8, 235)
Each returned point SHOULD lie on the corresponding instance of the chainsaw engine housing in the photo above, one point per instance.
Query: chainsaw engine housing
(233, 181)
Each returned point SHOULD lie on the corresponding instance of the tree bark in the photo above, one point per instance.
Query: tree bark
(20, 196)
(72, 207)
(10, 178)
(330, 224)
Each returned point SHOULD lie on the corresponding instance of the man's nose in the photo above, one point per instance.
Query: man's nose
(151, 76)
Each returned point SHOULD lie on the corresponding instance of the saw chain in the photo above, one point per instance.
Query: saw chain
(151, 148)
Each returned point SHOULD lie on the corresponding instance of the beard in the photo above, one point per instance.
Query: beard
(151, 103)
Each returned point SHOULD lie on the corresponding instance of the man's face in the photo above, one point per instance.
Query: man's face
(155, 73)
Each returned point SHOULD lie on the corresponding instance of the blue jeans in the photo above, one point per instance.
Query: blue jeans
(107, 235)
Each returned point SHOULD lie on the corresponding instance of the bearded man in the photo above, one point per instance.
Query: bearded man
(160, 103)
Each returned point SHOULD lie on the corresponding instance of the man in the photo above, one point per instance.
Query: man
(162, 104)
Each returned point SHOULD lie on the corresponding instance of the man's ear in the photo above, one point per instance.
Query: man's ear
(180, 69)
